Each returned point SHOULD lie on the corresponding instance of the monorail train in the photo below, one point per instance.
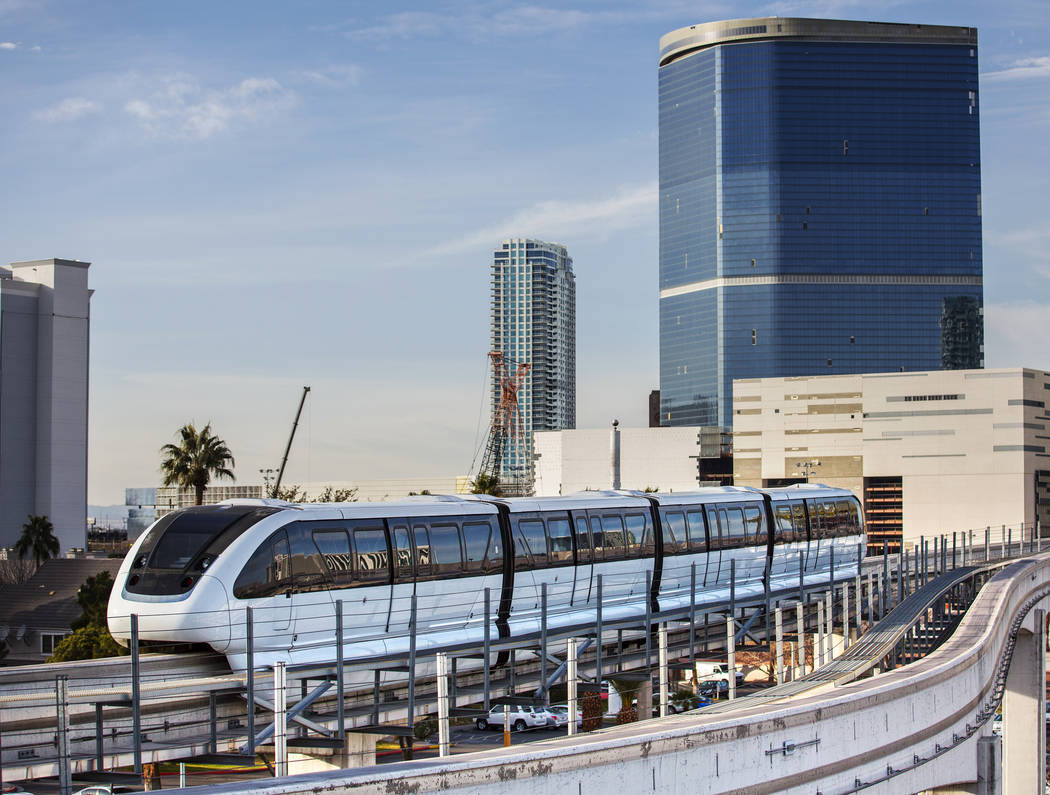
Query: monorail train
(191, 576)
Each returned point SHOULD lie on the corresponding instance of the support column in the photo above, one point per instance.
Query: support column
(442, 702)
(280, 720)
(1024, 707)
(780, 646)
(731, 651)
(800, 644)
(665, 694)
(570, 681)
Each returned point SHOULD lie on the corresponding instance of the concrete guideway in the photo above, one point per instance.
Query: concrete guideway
(912, 728)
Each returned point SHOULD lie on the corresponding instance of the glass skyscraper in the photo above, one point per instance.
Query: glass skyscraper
(534, 322)
(820, 205)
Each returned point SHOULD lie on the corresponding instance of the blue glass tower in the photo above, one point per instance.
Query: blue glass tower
(820, 205)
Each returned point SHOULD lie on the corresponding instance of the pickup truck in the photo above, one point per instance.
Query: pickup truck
(715, 669)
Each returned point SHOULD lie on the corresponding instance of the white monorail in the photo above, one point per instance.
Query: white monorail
(192, 575)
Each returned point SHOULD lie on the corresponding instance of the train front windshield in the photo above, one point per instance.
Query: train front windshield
(182, 545)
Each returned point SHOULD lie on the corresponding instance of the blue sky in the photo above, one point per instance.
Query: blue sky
(283, 194)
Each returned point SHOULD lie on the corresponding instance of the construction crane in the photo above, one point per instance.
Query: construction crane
(288, 447)
(506, 425)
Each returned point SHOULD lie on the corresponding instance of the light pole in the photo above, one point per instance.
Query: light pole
(267, 475)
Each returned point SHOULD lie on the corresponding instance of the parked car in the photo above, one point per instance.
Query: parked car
(712, 688)
(561, 711)
(521, 718)
(683, 702)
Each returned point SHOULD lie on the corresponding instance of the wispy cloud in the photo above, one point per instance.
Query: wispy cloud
(182, 109)
(1022, 69)
(67, 110)
(491, 20)
(631, 207)
(8, 45)
(334, 75)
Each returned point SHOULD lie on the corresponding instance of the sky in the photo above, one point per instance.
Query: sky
(275, 195)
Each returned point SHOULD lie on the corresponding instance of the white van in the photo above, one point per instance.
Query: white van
(716, 669)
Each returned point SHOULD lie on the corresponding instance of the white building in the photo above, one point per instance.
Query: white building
(534, 323)
(927, 452)
(575, 460)
(44, 340)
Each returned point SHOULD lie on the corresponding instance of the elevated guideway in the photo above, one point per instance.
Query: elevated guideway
(918, 727)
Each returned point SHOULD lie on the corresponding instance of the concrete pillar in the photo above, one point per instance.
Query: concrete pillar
(731, 654)
(359, 750)
(614, 454)
(989, 766)
(1024, 710)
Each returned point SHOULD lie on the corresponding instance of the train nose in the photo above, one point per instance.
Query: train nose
(200, 616)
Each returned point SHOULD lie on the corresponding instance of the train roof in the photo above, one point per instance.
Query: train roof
(800, 491)
(426, 505)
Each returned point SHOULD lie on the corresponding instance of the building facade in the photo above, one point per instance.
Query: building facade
(534, 322)
(927, 453)
(820, 205)
(45, 322)
(580, 460)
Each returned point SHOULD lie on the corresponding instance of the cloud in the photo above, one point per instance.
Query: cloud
(67, 110)
(334, 75)
(8, 45)
(1022, 69)
(1015, 334)
(182, 109)
(631, 207)
(484, 22)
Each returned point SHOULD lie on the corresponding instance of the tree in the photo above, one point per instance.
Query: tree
(296, 493)
(90, 642)
(90, 639)
(38, 538)
(486, 484)
(650, 489)
(197, 458)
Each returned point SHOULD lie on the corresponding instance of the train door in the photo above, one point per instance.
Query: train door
(715, 549)
(582, 591)
(403, 584)
(313, 614)
(265, 583)
(530, 554)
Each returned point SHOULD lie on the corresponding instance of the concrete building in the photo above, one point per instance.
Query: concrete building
(820, 205)
(534, 322)
(927, 453)
(576, 460)
(45, 322)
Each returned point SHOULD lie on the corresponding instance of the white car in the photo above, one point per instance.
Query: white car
(521, 718)
(561, 714)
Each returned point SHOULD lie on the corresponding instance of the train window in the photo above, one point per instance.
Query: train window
(422, 540)
(334, 547)
(533, 542)
(737, 529)
(308, 572)
(753, 519)
(268, 570)
(370, 556)
(715, 528)
(697, 533)
(674, 533)
(584, 551)
(445, 551)
(648, 537)
(598, 536)
(482, 547)
(835, 519)
(560, 533)
(636, 526)
(798, 517)
(613, 537)
(785, 529)
(402, 554)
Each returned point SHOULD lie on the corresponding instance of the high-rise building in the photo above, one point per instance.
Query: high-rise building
(534, 323)
(820, 205)
(45, 317)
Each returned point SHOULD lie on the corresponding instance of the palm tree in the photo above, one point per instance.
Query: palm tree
(196, 459)
(485, 483)
(38, 538)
